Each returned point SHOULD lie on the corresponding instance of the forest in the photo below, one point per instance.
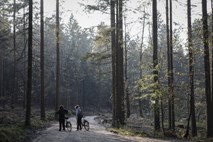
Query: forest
(149, 67)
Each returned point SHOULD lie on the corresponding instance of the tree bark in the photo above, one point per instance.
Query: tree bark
(212, 51)
(14, 54)
(126, 76)
(168, 61)
(155, 64)
(24, 28)
(207, 70)
(120, 112)
(29, 78)
(42, 105)
(212, 58)
(171, 71)
(191, 71)
(57, 56)
(112, 14)
(141, 59)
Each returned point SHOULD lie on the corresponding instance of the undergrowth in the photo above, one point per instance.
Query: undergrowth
(12, 133)
(127, 132)
(12, 128)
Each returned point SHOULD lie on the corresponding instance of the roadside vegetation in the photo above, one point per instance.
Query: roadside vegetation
(143, 127)
(12, 128)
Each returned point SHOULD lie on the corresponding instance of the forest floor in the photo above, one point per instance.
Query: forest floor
(97, 133)
(12, 128)
(137, 129)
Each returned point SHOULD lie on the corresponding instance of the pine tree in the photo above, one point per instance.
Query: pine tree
(42, 105)
(155, 64)
(29, 78)
(191, 71)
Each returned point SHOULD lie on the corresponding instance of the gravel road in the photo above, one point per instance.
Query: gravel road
(97, 133)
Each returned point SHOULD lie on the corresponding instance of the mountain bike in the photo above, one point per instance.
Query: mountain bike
(68, 124)
(85, 124)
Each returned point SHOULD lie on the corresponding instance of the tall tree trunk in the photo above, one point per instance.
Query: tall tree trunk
(98, 88)
(168, 61)
(2, 69)
(207, 70)
(155, 63)
(29, 78)
(3, 80)
(78, 93)
(212, 56)
(120, 112)
(2, 61)
(57, 56)
(116, 65)
(141, 59)
(42, 105)
(162, 115)
(2, 66)
(24, 29)
(125, 74)
(191, 71)
(168, 71)
(83, 93)
(14, 54)
(171, 71)
(112, 18)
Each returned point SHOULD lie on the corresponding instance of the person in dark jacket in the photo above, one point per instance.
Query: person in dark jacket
(61, 112)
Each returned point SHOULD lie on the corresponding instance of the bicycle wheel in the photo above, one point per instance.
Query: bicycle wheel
(86, 125)
(69, 126)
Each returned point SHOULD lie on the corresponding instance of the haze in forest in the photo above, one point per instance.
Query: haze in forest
(137, 67)
(92, 19)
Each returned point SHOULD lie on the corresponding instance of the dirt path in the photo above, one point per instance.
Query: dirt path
(97, 133)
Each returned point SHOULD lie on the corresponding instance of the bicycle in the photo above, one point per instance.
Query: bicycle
(68, 124)
(85, 124)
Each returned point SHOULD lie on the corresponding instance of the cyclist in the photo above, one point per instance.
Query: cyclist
(61, 112)
(78, 116)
